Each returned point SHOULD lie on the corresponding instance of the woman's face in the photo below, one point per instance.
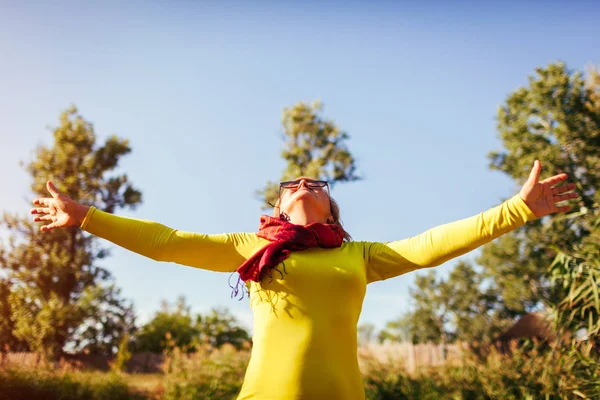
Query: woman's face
(303, 192)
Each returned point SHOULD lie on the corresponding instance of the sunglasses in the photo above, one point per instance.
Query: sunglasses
(310, 183)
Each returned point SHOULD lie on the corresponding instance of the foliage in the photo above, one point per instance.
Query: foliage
(555, 118)
(123, 355)
(522, 374)
(532, 372)
(177, 327)
(220, 327)
(366, 333)
(313, 147)
(49, 384)
(58, 294)
(446, 310)
(577, 272)
(208, 374)
(8, 341)
(175, 322)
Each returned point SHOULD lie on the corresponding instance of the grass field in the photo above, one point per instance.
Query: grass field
(525, 374)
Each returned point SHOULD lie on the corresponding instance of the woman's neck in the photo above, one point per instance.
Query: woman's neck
(302, 216)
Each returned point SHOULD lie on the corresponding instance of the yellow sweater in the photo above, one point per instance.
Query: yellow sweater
(305, 338)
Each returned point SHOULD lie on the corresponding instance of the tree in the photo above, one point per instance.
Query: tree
(399, 330)
(365, 333)
(448, 309)
(427, 321)
(577, 269)
(220, 327)
(108, 318)
(177, 327)
(556, 119)
(8, 341)
(123, 355)
(58, 293)
(313, 147)
(175, 322)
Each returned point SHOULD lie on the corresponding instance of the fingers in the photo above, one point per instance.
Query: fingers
(553, 180)
(40, 210)
(560, 194)
(563, 208)
(49, 227)
(44, 218)
(43, 201)
(52, 189)
(534, 175)
(565, 197)
(562, 189)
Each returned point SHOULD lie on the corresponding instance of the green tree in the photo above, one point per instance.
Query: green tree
(313, 146)
(57, 288)
(577, 270)
(123, 355)
(366, 333)
(175, 322)
(398, 330)
(108, 318)
(220, 327)
(8, 341)
(429, 317)
(175, 326)
(447, 309)
(555, 118)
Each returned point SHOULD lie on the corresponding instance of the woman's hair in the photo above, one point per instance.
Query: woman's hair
(335, 214)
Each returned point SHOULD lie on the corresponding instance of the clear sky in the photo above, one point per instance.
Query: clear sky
(198, 89)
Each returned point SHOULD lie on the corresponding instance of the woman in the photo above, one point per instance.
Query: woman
(305, 315)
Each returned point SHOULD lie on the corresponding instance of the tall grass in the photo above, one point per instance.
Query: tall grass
(207, 374)
(44, 382)
(530, 372)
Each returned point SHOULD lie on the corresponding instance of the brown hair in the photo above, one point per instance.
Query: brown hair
(335, 215)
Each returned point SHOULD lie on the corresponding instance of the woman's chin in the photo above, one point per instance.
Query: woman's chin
(305, 195)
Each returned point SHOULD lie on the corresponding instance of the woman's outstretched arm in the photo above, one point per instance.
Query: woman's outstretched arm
(223, 252)
(442, 243)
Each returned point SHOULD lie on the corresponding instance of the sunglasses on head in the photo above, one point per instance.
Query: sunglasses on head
(310, 183)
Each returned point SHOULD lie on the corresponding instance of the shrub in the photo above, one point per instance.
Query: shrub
(205, 375)
(525, 373)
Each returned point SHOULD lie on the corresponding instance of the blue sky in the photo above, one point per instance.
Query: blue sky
(198, 89)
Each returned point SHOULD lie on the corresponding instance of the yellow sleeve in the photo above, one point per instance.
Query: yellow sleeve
(222, 252)
(442, 243)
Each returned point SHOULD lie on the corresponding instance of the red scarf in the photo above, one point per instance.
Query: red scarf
(286, 237)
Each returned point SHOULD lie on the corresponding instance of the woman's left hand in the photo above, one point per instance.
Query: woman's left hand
(541, 197)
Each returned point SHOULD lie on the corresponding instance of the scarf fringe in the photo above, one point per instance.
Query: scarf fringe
(241, 287)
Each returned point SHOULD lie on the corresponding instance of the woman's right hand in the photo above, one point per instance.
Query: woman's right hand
(60, 210)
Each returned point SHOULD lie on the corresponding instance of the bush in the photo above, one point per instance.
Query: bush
(123, 355)
(205, 375)
(531, 373)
